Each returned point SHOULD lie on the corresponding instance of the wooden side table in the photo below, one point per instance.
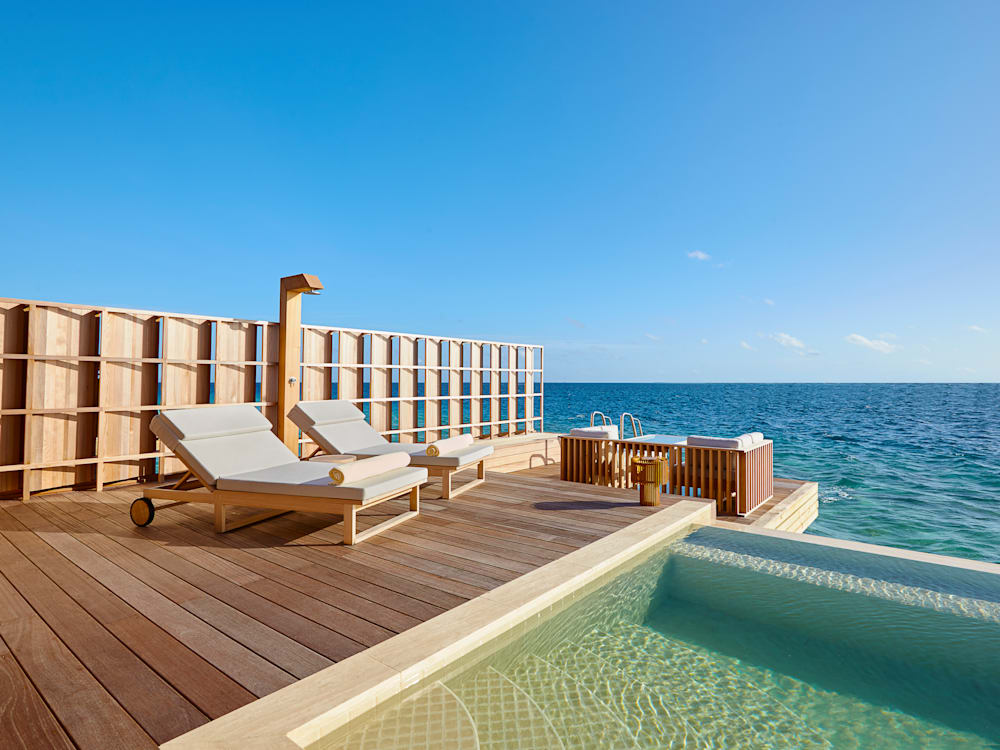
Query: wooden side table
(650, 474)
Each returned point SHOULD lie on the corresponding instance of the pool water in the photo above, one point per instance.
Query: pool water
(726, 639)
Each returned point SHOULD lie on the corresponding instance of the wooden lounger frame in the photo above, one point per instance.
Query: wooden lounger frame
(190, 489)
(444, 472)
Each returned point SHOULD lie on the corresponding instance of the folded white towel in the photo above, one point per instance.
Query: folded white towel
(449, 445)
(714, 442)
(607, 432)
(756, 437)
(368, 467)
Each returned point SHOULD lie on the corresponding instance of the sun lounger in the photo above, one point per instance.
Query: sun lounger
(339, 427)
(233, 458)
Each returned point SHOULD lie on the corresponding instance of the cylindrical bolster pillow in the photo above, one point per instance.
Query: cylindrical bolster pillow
(368, 467)
(449, 445)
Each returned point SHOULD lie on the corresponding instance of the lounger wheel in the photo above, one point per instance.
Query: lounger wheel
(142, 511)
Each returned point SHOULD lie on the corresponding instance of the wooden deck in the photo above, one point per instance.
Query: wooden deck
(117, 637)
(794, 506)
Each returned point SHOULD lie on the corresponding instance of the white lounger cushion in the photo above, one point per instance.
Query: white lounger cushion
(340, 427)
(605, 432)
(221, 440)
(215, 421)
(329, 411)
(336, 426)
(312, 479)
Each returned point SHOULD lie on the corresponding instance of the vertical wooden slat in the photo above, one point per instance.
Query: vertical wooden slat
(235, 341)
(29, 389)
(349, 358)
(511, 390)
(432, 388)
(529, 389)
(317, 350)
(407, 388)
(381, 382)
(541, 388)
(454, 387)
(126, 384)
(270, 341)
(68, 384)
(13, 394)
(475, 364)
(495, 388)
(185, 339)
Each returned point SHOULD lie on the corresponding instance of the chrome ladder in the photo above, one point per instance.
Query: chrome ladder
(636, 426)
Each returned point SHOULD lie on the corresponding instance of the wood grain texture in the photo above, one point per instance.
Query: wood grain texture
(100, 607)
(26, 722)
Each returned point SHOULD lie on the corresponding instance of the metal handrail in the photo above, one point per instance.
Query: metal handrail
(605, 421)
(636, 425)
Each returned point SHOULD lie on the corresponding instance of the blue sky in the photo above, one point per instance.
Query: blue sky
(654, 191)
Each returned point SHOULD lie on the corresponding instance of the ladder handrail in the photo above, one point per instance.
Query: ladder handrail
(604, 418)
(636, 425)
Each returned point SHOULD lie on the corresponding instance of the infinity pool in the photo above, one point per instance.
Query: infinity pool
(726, 639)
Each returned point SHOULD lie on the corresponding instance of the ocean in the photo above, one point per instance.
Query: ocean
(905, 465)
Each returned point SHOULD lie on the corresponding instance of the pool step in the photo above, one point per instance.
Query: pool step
(725, 709)
(582, 721)
(506, 717)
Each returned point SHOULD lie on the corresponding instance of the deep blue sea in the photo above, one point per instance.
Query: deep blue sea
(906, 465)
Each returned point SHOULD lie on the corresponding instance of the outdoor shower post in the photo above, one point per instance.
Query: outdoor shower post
(290, 351)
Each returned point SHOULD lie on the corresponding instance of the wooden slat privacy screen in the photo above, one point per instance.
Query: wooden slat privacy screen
(80, 384)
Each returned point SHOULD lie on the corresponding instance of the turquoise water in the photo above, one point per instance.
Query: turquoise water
(725, 639)
(906, 465)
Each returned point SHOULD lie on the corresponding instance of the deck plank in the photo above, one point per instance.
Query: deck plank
(208, 688)
(150, 700)
(27, 722)
(91, 716)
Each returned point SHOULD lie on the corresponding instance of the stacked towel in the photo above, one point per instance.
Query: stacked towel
(606, 432)
(368, 467)
(744, 442)
(449, 445)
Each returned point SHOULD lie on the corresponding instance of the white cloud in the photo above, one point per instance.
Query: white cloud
(878, 345)
(699, 255)
(888, 336)
(978, 329)
(922, 361)
(769, 302)
(787, 340)
(745, 345)
(704, 341)
(651, 337)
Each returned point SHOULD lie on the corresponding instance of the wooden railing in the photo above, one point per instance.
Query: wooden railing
(739, 481)
(411, 386)
(79, 385)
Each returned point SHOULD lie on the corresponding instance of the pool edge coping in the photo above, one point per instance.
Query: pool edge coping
(302, 713)
(931, 558)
